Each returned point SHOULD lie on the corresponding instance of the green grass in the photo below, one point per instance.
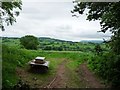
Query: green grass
(14, 56)
(18, 58)
(57, 45)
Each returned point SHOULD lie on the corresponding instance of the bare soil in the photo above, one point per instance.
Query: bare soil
(60, 78)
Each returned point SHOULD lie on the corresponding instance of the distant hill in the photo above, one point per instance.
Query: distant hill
(58, 40)
(92, 41)
(52, 39)
(47, 39)
(46, 43)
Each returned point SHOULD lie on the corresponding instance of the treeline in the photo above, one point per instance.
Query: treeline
(61, 45)
(65, 48)
(51, 44)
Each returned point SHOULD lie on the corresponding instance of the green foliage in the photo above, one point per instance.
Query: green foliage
(29, 42)
(107, 12)
(17, 57)
(61, 45)
(14, 58)
(107, 67)
(75, 59)
(12, 42)
(56, 45)
(98, 49)
(10, 11)
(115, 43)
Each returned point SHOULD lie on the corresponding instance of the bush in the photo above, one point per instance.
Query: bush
(29, 42)
(12, 58)
(107, 67)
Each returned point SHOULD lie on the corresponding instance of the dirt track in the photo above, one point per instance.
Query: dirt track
(88, 77)
(62, 77)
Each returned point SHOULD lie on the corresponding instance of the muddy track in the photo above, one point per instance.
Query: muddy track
(89, 78)
(86, 78)
(60, 78)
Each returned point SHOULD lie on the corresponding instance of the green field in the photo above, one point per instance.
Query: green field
(18, 58)
(15, 59)
(56, 45)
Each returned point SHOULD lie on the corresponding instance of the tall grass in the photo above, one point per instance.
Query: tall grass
(12, 58)
(18, 58)
(107, 67)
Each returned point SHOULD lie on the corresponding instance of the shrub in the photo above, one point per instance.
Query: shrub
(12, 58)
(29, 42)
(107, 67)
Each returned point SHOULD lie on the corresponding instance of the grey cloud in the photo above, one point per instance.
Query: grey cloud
(47, 10)
(91, 35)
(63, 28)
(54, 20)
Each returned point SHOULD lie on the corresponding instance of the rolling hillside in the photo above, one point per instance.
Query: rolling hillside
(55, 44)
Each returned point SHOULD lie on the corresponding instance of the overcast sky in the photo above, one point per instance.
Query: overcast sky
(53, 19)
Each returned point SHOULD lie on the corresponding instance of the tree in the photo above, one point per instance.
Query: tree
(109, 15)
(9, 11)
(29, 42)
